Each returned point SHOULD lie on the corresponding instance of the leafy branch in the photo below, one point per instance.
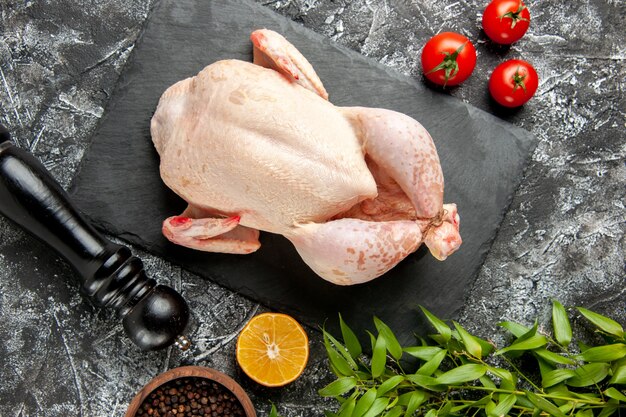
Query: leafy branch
(457, 373)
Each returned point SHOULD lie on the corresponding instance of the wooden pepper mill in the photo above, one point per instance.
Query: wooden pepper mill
(154, 316)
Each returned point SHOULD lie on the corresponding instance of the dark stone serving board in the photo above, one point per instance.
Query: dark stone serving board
(119, 188)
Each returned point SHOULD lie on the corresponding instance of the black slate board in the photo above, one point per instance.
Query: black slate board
(119, 188)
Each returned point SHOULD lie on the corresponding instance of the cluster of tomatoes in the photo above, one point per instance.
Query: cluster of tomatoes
(449, 58)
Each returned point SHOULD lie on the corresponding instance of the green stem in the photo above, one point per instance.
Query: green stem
(517, 392)
(515, 16)
(449, 64)
(512, 365)
(552, 342)
(441, 404)
(399, 366)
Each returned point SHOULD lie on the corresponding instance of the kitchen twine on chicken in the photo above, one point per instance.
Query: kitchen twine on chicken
(435, 221)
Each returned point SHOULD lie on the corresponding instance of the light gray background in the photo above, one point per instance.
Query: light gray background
(562, 238)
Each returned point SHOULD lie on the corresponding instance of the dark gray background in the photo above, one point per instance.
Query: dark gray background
(562, 238)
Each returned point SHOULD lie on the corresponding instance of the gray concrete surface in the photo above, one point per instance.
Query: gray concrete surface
(563, 237)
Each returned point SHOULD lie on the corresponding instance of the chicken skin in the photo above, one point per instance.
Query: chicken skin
(258, 147)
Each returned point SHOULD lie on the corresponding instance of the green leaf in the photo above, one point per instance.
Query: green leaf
(424, 353)
(509, 385)
(529, 333)
(504, 406)
(432, 365)
(552, 357)
(485, 346)
(335, 371)
(364, 403)
(503, 374)
(349, 338)
(554, 377)
(515, 329)
(586, 396)
(463, 373)
(523, 401)
(454, 345)
(561, 390)
(527, 341)
(582, 346)
(486, 381)
(544, 405)
(615, 394)
(442, 328)
(338, 361)
(476, 404)
(347, 407)
(560, 321)
(330, 414)
(530, 343)
(566, 407)
(469, 341)
(619, 375)
(391, 393)
(403, 399)
(378, 407)
(485, 400)
(391, 342)
(445, 410)
(427, 382)
(441, 340)
(372, 340)
(544, 367)
(589, 374)
(389, 384)
(273, 411)
(363, 375)
(379, 357)
(395, 412)
(606, 353)
(603, 323)
(343, 351)
(416, 399)
(489, 407)
(338, 387)
(608, 409)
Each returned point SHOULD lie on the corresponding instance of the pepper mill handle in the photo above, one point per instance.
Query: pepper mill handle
(154, 316)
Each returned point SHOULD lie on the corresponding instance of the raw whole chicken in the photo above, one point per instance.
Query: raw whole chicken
(258, 146)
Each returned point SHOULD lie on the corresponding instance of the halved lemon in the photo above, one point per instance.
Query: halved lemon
(273, 349)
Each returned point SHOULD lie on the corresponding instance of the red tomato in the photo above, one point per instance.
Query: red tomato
(448, 58)
(513, 83)
(506, 21)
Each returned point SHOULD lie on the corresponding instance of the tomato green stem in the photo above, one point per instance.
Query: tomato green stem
(515, 16)
(449, 65)
(518, 80)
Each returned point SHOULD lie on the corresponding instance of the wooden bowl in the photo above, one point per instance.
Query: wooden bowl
(195, 372)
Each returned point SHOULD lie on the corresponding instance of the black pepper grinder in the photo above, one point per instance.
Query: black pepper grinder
(154, 316)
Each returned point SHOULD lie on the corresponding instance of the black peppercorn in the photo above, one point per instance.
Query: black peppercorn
(191, 396)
